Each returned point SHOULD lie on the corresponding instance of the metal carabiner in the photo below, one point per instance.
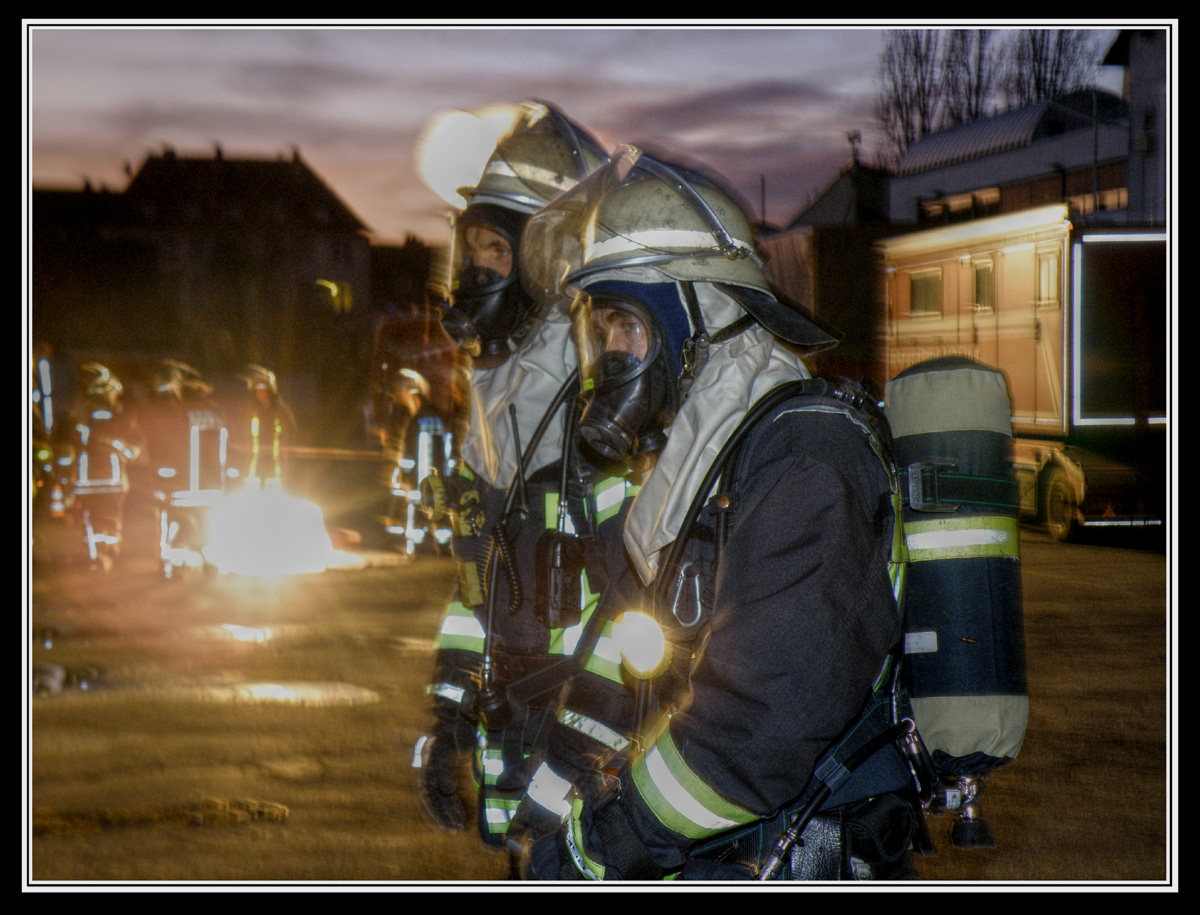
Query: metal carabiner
(677, 593)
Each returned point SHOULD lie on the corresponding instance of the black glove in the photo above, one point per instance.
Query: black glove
(436, 762)
(548, 858)
(530, 823)
(599, 845)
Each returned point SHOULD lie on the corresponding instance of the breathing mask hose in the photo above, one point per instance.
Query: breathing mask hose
(490, 701)
(500, 536)
(767, 402)
(560, 555)
(773, 865)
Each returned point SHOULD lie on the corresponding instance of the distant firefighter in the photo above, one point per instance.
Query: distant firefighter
(188, 445)
(102, 439)
(262, 426)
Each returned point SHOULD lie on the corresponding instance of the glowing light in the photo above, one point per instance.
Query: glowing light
(245, 633)
(455, 146)
(265, 532)
(644, 649)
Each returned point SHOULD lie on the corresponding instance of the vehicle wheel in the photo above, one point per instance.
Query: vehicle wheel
(1058, 505)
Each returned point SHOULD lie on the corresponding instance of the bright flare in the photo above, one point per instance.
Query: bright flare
(644, 649)
(455, 146)
(265, 532)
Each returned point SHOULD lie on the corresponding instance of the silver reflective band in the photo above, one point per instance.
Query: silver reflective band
(589, 727)
(497, 816)
(609, 498)
(655, 240)
(551, 791)
(446, 691)
(607, 649)
(920, 642)
(530, 173)
(936, 540)
(463, 625)
(418, 748)
(954, 538)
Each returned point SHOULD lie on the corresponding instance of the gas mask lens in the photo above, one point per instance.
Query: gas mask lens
(487, 301)
(617, 345)
(614, 341)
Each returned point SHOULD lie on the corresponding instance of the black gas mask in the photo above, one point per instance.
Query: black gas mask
(490, 309)
(627, 360)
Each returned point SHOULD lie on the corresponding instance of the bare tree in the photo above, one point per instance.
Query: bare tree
(1042, 63)
(971, 69)
(910, 93)
(931, 79)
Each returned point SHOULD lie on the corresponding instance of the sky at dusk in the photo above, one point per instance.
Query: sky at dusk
(768, 107)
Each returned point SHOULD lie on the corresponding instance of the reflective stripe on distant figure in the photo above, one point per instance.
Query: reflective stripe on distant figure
(679, 798)
(962, 538)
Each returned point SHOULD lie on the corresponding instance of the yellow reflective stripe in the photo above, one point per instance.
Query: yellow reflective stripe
(605, 658)
(588, 868)
(609, 495)
(459, 629)
(679, 798)
(565, 641)
(962, 538)
(492, 764)
(898, 563)
(498, 813)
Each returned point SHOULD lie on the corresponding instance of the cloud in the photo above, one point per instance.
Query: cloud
(749, 103)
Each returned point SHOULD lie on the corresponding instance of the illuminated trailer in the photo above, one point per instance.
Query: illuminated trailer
(1076, 318)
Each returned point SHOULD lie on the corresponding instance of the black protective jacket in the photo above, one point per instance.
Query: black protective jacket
(800, 617)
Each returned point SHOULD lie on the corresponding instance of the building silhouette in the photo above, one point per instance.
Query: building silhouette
(1102, 155)
(220, 262)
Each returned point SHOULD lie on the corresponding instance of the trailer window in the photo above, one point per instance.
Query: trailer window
(1048, 279)
(985, 286)
(925, 293)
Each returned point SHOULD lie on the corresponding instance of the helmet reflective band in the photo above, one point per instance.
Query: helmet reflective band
(543, 155)
(637, 214)
(687, 228)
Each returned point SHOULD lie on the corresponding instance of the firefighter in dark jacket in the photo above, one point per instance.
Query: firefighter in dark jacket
(522, 389)
(779, 599)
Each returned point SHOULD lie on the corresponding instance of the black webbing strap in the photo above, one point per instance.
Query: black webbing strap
(623, 850)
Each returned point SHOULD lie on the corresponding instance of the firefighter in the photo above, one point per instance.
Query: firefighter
(265, 427)
(403, 433)
(187, 448)
(778, 593)
(523, 389)
(104, 440)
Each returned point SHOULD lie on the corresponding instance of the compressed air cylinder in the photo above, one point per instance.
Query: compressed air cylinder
(964, 631)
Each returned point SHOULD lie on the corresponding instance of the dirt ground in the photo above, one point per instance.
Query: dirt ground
(181, 753)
